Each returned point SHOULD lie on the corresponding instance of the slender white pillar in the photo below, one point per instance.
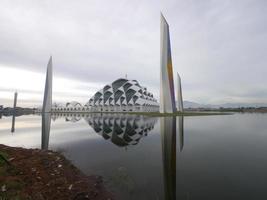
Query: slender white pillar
(167, 97)
(47, 102)
(179, 94)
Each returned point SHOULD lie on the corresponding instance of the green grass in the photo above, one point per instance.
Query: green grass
(157, 114)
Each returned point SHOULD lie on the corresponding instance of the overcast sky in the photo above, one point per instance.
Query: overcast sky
(218, 47)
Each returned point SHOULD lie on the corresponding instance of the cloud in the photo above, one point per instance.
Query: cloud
(87, 39)
(30, 87)
(217, 46)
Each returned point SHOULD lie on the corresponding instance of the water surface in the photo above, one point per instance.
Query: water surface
(198, 157)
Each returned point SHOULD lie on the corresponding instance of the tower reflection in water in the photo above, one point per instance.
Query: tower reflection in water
(13, 122)
(180, 128)
(46, 123)
(168, 126)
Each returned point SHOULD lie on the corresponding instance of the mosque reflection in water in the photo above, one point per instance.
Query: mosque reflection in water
(123, 130)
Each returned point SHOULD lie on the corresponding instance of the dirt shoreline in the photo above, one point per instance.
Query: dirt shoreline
(36, 174)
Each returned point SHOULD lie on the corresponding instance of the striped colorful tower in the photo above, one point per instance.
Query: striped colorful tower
(167, 97)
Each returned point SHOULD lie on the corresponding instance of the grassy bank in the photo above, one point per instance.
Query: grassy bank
(157, 114)
(154, 114)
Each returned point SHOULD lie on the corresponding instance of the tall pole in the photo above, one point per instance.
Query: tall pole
(15, 100)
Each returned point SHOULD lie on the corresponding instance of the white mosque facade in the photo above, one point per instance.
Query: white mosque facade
(123, 95)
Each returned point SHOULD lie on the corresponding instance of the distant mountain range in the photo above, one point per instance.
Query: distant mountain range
(190, 104)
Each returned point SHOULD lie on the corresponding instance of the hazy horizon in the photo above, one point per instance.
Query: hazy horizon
(218, 48)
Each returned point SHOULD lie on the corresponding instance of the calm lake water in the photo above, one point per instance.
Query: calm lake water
(144, 158)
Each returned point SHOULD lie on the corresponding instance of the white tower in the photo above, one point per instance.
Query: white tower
(167, 98)
(47, 102)
(179, 94)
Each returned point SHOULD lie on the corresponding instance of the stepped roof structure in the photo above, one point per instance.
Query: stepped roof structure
(122, 92)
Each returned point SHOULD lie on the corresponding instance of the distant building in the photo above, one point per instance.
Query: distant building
(72, 106)
(123, 95)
